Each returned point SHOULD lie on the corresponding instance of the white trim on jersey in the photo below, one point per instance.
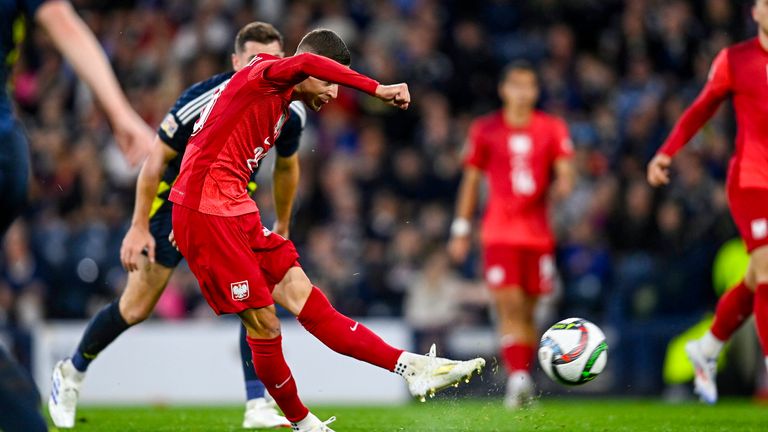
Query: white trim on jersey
(194, 105)
(301, 111)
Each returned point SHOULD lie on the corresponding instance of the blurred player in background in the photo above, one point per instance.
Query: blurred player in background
(244, 268)
(518, 149)
(151, 225)
(19, 400)
(740, 72)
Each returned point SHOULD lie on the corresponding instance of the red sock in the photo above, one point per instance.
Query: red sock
(733, 308)
(517, 357)
(345, 336)
(761, 315)
(270, 366)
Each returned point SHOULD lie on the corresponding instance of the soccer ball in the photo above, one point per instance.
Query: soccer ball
(573, 351)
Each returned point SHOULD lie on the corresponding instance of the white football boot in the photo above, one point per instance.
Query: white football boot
(519, 391)
(705, 380)
(262, 413)
(427, 374)
(313, 424)
(65, 388)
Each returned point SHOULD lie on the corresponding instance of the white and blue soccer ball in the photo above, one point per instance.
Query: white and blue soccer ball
(573, 351)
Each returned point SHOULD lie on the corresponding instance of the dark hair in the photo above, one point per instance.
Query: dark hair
(518, 66)
(326, 43)
(257, 31)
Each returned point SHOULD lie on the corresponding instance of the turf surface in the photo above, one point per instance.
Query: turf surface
(476, 415)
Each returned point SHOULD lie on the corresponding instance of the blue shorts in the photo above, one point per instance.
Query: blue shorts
(14, 175)
(160, 227)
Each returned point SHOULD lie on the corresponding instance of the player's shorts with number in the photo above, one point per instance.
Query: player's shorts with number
(749, 208)
(236, 260)
(512, 266)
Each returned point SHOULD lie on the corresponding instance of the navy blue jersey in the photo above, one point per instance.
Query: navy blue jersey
(177, 126)
(14, 14)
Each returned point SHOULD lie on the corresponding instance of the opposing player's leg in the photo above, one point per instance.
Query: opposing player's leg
(260, 408)
(19, 398)
(425, 374)
(135, 305)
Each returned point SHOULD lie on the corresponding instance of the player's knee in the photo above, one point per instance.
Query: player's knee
(136, 312)
(262, 323)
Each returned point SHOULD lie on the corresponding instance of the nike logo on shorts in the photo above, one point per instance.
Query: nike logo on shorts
(283, 383)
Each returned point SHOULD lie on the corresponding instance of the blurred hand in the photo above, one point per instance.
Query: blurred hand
(458, 248)
(658, 170)
(281, 229)
(172, 239)
(133, 136)
(396, 95)
(136, 240)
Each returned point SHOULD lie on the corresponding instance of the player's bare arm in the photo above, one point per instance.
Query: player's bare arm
(460, 242)
(565, 178)
(81, 49)
(138, 237)
(285, 181)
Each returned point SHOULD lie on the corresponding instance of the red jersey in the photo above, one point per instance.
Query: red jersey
(239, 126)
(740, 71)
(518, 162)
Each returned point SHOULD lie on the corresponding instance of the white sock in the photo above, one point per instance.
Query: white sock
(710, 345)
(766, 363)
(404, 362)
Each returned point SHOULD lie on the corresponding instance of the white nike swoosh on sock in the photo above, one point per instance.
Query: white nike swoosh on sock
(354, 327)
(283, 383)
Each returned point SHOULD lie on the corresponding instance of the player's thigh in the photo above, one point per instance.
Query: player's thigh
(14, 175)
(757, 272)
(261, 323)
(293, 291)
(143, 289)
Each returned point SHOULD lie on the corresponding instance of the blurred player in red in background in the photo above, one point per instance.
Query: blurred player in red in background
(518, 148)
(741, 72)
(244, 268)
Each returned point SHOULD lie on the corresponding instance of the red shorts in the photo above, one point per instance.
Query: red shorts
(236, 260)
(511, 266)
(749, 208)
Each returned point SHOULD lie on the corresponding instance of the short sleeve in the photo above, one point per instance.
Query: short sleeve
(563, 145)
(476, 148)
(288, 142)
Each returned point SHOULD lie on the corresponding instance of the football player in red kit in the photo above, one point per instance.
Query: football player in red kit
(740, 72)
(244, 268)
(518, 149)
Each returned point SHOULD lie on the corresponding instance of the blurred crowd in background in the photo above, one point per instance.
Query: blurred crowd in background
(378, 186)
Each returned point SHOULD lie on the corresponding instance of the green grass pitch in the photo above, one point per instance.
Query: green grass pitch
(576, 414)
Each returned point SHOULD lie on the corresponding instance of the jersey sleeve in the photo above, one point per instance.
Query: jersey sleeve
(476, 150)
(178, 123)
(563, 145)
(715, 91)
(295, 69)
(288, 142)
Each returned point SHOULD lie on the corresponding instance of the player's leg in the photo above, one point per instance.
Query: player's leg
(757, 276)
(260, 408)
(265, 341)
(19, 398)
(733, 309)
(137, 302)
(424, 374)
(517, 333)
